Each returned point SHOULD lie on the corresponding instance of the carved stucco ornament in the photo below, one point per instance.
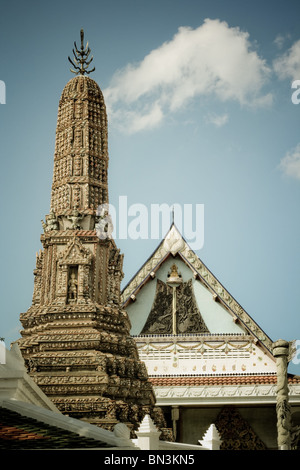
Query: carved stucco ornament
(174, 309)
(51, 222)
(76, 253)
(173, 242)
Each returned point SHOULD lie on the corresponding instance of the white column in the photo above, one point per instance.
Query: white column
(283, 408)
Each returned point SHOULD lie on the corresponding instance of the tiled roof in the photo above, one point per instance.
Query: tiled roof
(18, 432)
(220, 380)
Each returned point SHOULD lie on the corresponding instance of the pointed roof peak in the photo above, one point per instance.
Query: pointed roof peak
(174, 245)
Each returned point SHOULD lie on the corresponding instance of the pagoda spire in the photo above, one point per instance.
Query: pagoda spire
(76, 339)
(81, 149)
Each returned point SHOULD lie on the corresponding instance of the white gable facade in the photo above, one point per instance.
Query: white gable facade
(208, 360)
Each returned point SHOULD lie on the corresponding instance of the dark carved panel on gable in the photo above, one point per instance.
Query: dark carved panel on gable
(189, 319)
(235, 432)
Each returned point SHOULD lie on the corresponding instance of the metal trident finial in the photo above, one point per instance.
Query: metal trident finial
(81, 63)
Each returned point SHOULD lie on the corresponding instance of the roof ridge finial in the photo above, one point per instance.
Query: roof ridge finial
(80, 57)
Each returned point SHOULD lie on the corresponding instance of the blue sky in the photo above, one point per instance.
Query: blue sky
(200, 112)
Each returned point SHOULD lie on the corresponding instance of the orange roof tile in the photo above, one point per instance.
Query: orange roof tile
(21, 432)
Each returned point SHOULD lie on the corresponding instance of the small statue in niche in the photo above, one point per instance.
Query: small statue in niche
(72, 291)
(75, 218)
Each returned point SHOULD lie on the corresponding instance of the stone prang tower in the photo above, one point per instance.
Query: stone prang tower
(76, 338)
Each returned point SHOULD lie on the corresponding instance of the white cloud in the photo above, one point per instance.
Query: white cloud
(288, 65)
(213, 59)
(217, 120)
(290, 164)
(132, 121)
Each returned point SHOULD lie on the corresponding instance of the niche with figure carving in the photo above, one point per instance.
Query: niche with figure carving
(72, 284)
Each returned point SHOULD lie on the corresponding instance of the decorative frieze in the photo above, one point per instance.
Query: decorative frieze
(215, 394)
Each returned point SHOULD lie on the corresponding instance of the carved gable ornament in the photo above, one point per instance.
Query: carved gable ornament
(175, 245)
(75, 254)
(175, 308)
(235, 431)
(173, 241)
